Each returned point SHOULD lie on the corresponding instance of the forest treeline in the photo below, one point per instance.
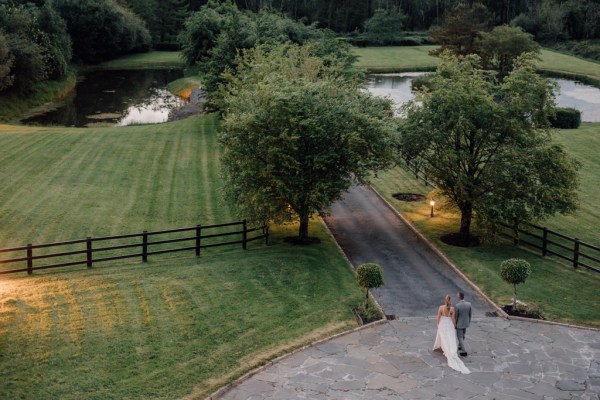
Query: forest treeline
(40, 38)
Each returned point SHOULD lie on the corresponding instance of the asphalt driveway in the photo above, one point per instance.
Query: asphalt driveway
(416, 278)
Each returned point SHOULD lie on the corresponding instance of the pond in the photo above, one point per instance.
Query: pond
(108, 98)
(573, 94)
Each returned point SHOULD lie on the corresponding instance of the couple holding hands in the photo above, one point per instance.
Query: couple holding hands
(452, 325)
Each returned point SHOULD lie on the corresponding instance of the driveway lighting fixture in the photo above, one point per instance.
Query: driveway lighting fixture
(432, 203)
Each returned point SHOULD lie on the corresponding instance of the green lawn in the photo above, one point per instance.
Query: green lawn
(176, 326)
(152, 59)
(562, 293)
(395, 58)
(66, 183)
(416, 58)
(562, 63)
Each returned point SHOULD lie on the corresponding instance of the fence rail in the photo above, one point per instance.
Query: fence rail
(86, 251)
(550, 243)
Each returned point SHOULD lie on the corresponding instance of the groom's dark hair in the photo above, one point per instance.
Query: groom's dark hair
(461, 295)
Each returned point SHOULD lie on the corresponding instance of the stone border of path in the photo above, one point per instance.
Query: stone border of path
(466, 279)
(221, 391)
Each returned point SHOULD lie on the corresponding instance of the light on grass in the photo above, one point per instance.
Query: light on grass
(432, 203)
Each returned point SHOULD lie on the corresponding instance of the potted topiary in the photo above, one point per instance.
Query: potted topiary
(515, 271)
(369, 276)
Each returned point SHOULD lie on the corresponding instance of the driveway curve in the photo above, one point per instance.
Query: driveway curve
(416, 278)
(509, 360)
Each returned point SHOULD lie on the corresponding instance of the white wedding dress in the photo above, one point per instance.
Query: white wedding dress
(447, 341)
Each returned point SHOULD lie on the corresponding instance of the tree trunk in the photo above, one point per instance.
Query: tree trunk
(367, 300)
(514, 297)
(465, 219)
(303, 231)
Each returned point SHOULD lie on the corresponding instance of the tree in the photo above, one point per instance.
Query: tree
(102, 29)
(56, 41)
(369, 276)
(202, 28)
(6, 62)
(384, 25)
(460, 29)
(477, 139)
(297, 133)
(515, 271)
(500, 47)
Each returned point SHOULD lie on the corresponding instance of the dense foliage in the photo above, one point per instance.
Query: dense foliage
(213, 35)
(501, 47)
(34, 46)
(297, 133)
(486, 143)
(566, 118)
(102, 29)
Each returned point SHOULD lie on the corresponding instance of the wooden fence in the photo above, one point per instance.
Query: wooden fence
(550, 243)
(137, 245)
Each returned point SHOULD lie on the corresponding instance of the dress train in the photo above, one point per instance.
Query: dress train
(446, 340)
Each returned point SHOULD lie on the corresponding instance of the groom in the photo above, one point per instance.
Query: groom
(463, 319)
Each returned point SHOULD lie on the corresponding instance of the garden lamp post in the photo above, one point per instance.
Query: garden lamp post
(432, 203)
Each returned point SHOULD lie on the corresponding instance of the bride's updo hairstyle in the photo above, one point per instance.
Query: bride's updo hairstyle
(447, 302)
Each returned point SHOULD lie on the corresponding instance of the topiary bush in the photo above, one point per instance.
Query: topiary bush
(566, 118)
(515, 271)
(369, 276)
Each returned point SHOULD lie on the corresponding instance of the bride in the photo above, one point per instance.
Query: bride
(446, 336)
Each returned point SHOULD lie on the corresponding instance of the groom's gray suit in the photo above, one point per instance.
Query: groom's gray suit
(463, 320)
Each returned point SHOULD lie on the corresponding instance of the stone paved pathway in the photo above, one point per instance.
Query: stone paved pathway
(509, 360)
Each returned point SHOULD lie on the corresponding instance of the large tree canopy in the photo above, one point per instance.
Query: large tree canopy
(297, 133)
(500, 47)
(460, 29)
(487, 144)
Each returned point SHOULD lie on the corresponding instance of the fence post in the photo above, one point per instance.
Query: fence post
(145, 246)
(244, 235)
(198, 236)
(88, 251)
(576, 254)
(515, 233)
(545, 242)
(29, 259)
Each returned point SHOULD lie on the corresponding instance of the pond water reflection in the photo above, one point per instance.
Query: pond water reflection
(104, 98)
(573, 94)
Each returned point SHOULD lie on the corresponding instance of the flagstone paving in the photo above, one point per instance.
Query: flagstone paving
(509, 360)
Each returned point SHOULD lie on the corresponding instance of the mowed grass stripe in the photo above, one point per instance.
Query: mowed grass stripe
(77, 182)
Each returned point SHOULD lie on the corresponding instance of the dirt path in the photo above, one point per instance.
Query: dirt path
(416, 279)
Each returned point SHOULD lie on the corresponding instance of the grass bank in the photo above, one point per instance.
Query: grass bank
(149, 60)
(14, 105)
(563, 294)
(173, 327)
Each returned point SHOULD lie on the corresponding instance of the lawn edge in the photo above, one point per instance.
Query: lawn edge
(224, 389)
